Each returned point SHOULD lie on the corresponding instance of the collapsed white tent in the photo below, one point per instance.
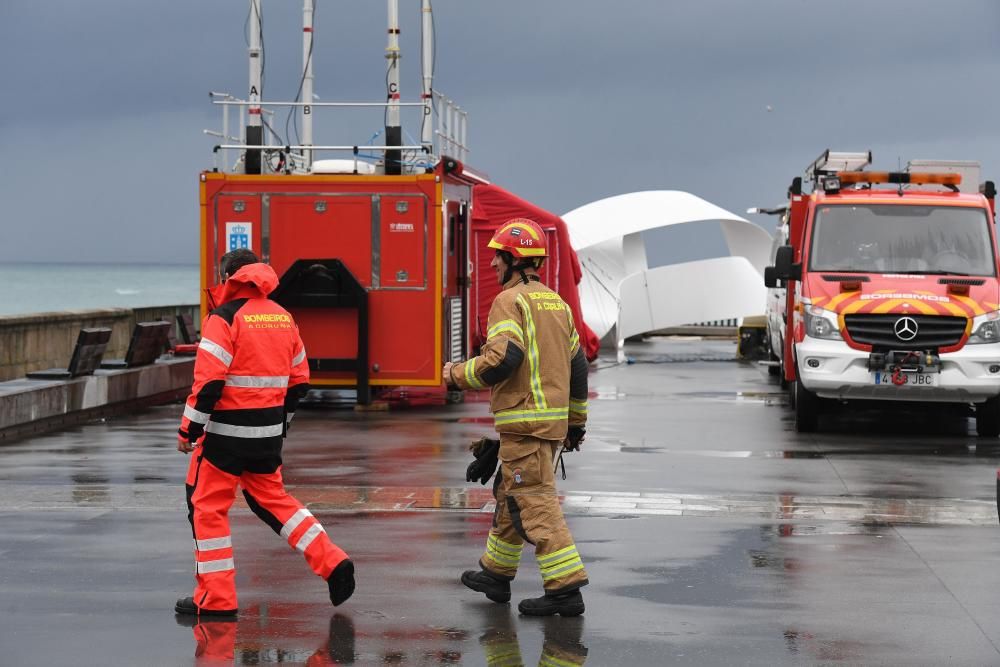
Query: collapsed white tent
(619, 289)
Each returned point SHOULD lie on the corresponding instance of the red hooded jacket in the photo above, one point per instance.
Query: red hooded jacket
(251, 368)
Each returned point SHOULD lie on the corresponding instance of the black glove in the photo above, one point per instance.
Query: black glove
(574, 437)
(194, 432)
(487, 453)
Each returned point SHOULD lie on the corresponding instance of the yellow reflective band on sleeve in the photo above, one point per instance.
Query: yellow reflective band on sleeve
(579, 407)
(560, 563)
(574, 338)
(532, 345)
(574, 342)
(503, 553)
(546, 415)
(510, 326)
(470, 374)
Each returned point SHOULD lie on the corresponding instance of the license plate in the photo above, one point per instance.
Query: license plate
(908, 379)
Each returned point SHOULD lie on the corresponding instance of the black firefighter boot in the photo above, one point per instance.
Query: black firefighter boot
(564, 604)
(496, 589)
(188, 607)
(341, 582)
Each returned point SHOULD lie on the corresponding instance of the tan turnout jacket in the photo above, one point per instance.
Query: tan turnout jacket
(533, 361)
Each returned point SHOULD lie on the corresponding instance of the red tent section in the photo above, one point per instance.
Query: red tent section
(494, 206)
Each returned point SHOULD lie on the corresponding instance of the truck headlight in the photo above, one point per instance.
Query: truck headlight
(985, 328)
(821, 323)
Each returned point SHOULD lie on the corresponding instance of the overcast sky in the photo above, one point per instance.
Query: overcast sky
(569, 100)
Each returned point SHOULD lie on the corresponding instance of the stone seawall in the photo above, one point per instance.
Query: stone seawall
(36, 406)
(46, 340)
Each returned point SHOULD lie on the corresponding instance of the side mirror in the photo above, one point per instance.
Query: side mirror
(770, 279)
(784, 268)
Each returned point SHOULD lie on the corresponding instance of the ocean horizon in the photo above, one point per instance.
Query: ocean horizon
(40, 287)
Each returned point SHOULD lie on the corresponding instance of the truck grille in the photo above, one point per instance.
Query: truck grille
(933, 331)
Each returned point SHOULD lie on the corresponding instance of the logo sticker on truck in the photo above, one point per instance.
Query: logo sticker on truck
(239, 235)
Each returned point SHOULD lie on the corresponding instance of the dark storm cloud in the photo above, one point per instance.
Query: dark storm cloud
(569, 100)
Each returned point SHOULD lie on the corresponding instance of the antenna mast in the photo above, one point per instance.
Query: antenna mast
(307, 80)
(254, 128)
(393, 131)
(427, 65)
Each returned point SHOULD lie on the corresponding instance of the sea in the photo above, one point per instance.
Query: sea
(27, 288)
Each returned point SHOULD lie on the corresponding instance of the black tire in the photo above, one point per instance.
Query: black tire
(807, 408)
(782, 382)
(988, 418)
(998, 494)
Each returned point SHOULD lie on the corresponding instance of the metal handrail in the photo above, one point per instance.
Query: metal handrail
(450, 135)
(314, 147)
(244, 103)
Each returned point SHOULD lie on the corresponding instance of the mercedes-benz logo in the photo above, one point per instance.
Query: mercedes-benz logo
(905, 328)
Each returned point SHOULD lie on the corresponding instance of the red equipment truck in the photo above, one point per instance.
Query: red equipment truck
(380, 254)
(372, 267)
(885, 288)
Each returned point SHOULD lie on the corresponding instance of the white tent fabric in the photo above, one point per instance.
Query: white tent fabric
(607, 236)
(725, 288)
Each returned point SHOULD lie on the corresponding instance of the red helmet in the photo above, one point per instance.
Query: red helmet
(521, 237)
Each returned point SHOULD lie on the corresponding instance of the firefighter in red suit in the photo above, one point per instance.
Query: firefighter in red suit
(249, 375)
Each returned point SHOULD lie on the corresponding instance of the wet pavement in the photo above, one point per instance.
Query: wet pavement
(713, 534)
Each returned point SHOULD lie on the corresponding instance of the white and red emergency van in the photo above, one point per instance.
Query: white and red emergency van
(884, 287)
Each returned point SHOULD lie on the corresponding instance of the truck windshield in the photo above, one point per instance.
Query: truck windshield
(900, 238)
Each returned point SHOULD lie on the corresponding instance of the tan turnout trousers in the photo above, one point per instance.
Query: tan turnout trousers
(528, 511)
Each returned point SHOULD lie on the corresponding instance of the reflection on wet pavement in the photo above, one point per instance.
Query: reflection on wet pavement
(258, 641)
(860, 509)
(562, 646)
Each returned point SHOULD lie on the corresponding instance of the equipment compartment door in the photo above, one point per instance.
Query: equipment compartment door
(401, 257)
(323, 226)
(320, 226)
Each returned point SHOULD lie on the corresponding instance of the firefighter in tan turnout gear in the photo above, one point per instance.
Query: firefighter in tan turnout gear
(538, 373)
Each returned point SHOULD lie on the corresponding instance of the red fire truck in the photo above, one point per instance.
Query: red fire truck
(890, 289)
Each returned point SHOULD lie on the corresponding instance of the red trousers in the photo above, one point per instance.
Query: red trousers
(211, 492)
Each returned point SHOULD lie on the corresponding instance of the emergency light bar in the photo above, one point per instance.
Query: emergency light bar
(853, 177)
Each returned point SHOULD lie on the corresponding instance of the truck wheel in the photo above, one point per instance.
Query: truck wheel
(807, 408)
(988, 417)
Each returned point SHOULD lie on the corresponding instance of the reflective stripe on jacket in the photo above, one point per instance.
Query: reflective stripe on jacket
(533, 361)
(251, 367)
